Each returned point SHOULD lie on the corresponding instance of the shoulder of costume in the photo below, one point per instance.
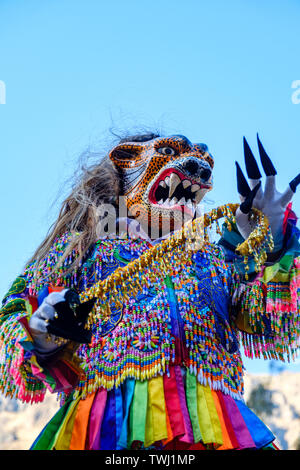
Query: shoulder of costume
(50, 270)
(286, 247)
(266, 305)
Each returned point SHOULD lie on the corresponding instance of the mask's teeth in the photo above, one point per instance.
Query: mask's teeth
(198, 196)
(174, 201)
(166, 203)
(195, 187)
(162, 184)
(174, 182)
(182, 201)
(190, 204)
(186, 183)
(160, 202)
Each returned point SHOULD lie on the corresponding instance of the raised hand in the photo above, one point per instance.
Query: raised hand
(269, 200)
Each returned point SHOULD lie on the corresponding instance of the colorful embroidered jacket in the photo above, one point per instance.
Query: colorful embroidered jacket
(195, 318)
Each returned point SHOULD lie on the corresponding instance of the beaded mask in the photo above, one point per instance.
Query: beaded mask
(163, 179)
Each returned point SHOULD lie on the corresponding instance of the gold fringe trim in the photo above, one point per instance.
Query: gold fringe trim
(174, 251)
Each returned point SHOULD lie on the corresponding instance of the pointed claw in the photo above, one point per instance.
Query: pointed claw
(294, 183)
(242, 185)
(251, 165)
(245, 207)
(268, 166)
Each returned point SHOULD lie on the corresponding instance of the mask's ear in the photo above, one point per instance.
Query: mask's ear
(126, 155)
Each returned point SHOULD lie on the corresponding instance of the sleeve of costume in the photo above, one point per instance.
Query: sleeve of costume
(265, 308)
(25, 373)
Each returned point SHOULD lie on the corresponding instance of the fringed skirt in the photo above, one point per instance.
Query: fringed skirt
(166, 412)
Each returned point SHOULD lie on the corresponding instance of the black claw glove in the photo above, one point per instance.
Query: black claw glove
(294, 183)
(269, 200)
(70, 318)
(246, 206)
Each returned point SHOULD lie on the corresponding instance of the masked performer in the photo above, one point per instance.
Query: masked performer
(140, 335)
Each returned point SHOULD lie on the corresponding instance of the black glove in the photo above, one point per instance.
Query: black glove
(70, 318)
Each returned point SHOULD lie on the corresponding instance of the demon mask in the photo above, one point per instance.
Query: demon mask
(163, 179)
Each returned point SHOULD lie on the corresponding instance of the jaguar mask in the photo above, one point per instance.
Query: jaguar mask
(163, 180)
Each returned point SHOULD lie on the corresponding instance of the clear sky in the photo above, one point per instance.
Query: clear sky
(212, 70)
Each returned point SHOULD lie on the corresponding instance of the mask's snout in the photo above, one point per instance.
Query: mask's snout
(198, 169)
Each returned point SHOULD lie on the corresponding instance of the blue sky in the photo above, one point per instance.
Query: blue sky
(214, 71)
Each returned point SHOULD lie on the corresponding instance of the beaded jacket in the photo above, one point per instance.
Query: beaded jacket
(197, 315)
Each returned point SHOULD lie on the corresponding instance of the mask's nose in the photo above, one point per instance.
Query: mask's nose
(195, 168)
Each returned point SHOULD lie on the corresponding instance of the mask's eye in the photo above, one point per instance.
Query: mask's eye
(166, 151)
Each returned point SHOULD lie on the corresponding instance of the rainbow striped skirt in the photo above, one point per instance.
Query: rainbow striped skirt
(165, 412)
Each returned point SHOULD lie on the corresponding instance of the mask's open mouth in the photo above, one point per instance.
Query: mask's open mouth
(174, 190)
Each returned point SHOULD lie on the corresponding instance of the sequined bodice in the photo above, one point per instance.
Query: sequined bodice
(183, 320)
